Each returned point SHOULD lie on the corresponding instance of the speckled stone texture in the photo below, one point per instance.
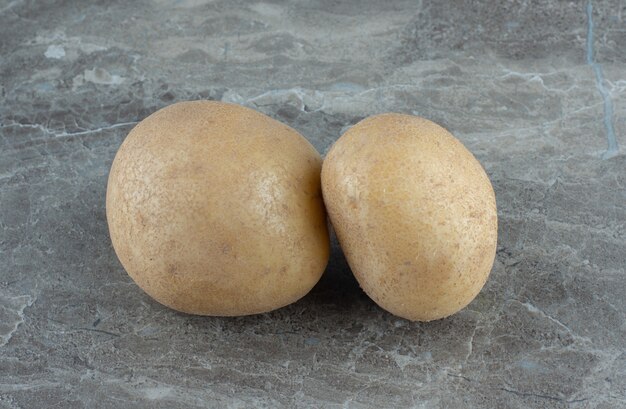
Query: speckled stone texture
(540, 102)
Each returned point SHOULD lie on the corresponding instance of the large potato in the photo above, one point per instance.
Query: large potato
(414, 212)
(216, 209)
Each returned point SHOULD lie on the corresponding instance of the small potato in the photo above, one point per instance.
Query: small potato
(216, 209)
(414, 212)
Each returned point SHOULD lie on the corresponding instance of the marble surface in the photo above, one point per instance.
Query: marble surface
(536, 89)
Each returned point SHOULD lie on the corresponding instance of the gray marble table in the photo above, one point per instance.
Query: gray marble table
(536, 89)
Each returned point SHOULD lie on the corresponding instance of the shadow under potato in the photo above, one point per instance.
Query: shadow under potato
(336, 296)
(336, 304)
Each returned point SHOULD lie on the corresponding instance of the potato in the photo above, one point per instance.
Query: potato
(414, 213)
(216, 209)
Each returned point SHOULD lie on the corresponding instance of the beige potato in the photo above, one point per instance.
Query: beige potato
(414, 212)
(216, 209)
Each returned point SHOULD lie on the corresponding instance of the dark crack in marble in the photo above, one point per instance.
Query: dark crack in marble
(513, 80)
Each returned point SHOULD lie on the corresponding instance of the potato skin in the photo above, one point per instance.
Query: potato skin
(414, 213)
(216, 209)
